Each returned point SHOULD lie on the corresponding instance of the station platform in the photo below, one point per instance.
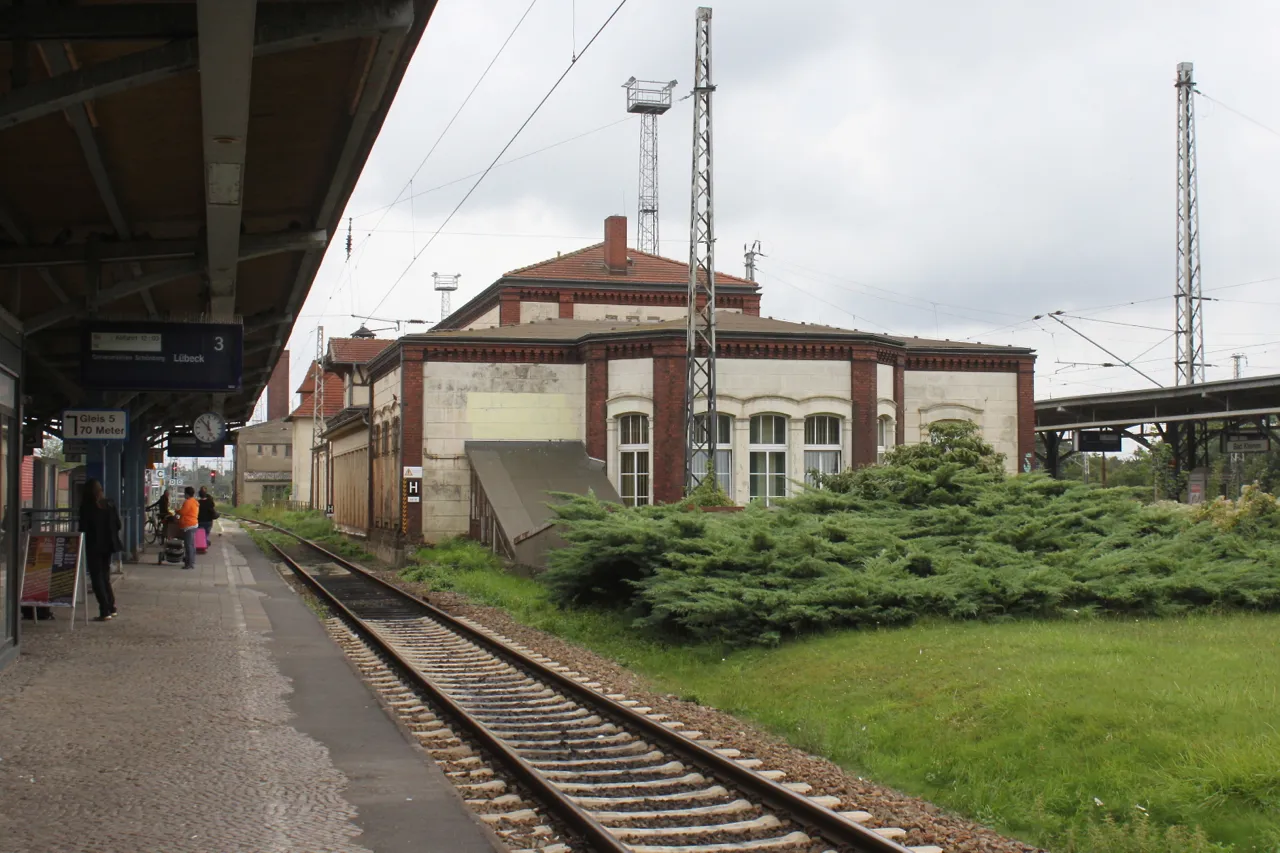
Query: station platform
(214, 714)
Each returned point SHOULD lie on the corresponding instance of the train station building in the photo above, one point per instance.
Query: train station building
(588, 348)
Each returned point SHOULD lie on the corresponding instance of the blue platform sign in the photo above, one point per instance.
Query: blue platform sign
(149, 356)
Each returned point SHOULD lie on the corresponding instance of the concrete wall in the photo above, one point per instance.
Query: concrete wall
(354, 393)
(487, 320)
(988, 399)
(302, 459)
(267, 435)
(386, 465)
(350, 471)
(386, 391)
(493, 402)
(533, 312)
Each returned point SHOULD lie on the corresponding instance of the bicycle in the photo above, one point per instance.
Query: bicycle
(154, 528)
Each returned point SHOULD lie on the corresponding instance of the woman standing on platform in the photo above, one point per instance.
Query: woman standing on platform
(189, 521)
(208, 514)
(100, 524)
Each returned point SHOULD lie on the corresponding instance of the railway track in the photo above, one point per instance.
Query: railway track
(622, 779)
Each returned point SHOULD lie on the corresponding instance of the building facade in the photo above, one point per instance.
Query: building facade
(264, 463)
(302, 424)
(600, 369)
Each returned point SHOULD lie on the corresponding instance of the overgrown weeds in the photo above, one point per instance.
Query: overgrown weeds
(309, 524)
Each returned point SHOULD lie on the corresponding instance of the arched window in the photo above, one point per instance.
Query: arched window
(885, 436)
(821, 446)
(768, 457)
(633, 459)
(724, 453)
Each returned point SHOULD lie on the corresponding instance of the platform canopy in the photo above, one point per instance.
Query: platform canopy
(1225, 400)
(187, 161)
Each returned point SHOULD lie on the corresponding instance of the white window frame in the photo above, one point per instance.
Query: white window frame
(724, 453)
(822, 452)
(886, 436)
(774, 476)
(639, 455)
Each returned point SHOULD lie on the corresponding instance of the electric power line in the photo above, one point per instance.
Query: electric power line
(510, 142)
(839, 308)
(1231, 109)
(409, 183)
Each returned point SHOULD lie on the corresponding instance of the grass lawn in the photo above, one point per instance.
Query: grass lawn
(1024, 726)
(1044, 730)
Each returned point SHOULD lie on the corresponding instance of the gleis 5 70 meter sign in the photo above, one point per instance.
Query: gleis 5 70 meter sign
(95, 424)
(146, 356)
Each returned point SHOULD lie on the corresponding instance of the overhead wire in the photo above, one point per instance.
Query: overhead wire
(929, 305)
(409, 184)
(572, 64)
(840, 308)
(1244, 116)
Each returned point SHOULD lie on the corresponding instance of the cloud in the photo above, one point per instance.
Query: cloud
(931, 168)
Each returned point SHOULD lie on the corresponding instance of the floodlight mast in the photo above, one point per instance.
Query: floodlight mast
(700, 354)
(445, 285)
(648, 99)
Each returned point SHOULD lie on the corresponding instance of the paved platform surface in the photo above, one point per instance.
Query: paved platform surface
(214, 715)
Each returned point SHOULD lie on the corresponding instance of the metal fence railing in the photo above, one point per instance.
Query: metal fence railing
(50, 520)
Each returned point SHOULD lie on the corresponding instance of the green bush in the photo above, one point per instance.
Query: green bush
(936, 531)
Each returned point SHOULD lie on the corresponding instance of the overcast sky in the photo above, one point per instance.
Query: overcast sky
(932, 168)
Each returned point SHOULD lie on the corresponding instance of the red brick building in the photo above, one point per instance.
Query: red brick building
(589, 347)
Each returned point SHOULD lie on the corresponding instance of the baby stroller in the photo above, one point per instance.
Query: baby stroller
(172, 547)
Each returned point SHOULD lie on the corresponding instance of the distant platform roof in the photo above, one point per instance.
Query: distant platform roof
(1226, 399)
(183, 160)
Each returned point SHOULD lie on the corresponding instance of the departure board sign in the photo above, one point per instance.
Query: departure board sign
(187, 446)
(147, 356)
(51, 570)
(1098, 441)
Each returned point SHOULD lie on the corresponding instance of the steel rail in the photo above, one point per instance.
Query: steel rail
(828, 823)
(557, 802)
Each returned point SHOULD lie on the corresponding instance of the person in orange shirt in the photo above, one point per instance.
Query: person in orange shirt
(189, 521)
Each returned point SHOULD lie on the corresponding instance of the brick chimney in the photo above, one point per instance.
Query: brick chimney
(615, 244)
(278, 389)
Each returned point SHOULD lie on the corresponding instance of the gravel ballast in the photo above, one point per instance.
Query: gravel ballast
(925, 823)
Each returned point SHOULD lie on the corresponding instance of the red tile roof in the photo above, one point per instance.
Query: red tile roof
(588, 265)
(308, 380)
(355, 350)
(334, 395)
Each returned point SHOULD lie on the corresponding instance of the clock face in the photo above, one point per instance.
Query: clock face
(208, 428)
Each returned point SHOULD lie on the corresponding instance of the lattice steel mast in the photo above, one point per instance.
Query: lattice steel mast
(1189, 359)
(445, 285)
(648, 100)
(1190, 440)
(700, 376)
(750, 253)
(317, 418)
